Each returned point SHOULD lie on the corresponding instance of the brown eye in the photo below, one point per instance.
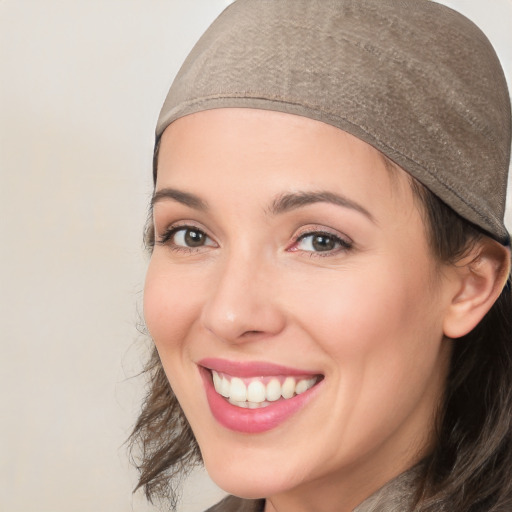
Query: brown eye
(188, 237)
(321, 242)
(194, 238)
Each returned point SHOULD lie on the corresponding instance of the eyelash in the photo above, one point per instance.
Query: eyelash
(166, 237)
(341, 245)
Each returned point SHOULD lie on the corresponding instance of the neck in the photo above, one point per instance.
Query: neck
(366, 492)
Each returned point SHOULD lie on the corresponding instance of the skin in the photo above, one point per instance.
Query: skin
(369, 315)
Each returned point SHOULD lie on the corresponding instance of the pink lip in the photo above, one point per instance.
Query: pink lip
(252, 421)
(252, 368)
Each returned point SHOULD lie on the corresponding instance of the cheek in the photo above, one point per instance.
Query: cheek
(374, 325)
(374, 329)
(357, 311)
(170, 306)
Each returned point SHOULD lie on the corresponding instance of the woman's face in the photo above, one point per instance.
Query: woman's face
(289, 259)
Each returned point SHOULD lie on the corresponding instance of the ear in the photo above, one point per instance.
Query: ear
(479, 279)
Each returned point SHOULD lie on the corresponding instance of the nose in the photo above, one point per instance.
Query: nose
(242, 305)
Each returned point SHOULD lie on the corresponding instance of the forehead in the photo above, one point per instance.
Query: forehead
(247, 152)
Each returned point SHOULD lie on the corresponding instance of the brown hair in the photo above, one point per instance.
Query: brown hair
(470, 469)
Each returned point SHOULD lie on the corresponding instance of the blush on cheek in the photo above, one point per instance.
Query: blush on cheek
(163, 311)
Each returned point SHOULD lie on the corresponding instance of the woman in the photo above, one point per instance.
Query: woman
(329, 290)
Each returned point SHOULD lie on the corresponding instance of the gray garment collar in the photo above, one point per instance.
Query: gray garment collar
(399, 495)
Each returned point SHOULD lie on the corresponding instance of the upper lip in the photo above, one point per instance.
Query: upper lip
(251, 368)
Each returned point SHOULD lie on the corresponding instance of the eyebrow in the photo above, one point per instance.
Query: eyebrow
(292, 201)
(184, 198)
(284, 203)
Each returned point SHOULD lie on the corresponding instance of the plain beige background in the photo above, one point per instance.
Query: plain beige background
(81, 84)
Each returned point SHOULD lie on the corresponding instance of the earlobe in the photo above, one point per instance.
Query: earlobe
(480, 278)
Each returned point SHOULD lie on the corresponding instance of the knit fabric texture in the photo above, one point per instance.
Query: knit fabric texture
(413, 78)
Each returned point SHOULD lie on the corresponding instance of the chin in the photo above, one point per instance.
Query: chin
(243, 486)
(246, 480)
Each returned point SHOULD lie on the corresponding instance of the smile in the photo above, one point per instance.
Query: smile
(258, 392)
(256, 397)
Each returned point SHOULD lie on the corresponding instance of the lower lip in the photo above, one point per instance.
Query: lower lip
(253, 421)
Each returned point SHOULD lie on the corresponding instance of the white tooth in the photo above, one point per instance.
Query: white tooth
(256, 391)
(217, 381)
(304, 385)
(243, 405)
(257, 405)
(224, 387)
(288, 388)
(273, 390)
(238, 391)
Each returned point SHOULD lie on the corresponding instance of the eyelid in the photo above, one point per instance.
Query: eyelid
(312, 229)
(180, 223)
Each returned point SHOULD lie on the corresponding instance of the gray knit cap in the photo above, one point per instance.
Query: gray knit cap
(415, 79)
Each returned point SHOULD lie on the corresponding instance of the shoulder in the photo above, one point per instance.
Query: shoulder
(234, 504)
